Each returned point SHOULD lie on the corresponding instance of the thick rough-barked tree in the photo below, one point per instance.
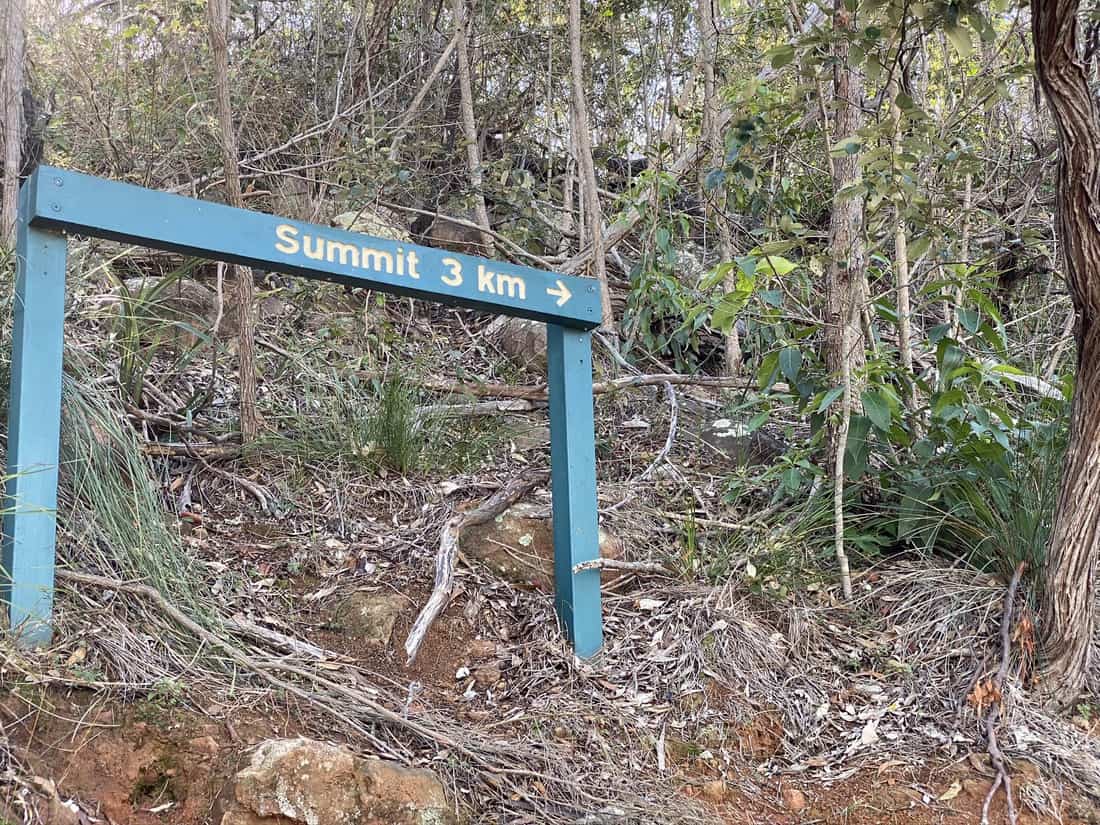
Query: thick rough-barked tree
(11, 110)
(1067, 593)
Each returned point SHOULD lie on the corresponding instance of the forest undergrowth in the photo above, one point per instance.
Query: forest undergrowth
(735, 618)
(842, 290)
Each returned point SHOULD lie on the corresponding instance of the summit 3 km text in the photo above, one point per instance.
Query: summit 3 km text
(291, 241)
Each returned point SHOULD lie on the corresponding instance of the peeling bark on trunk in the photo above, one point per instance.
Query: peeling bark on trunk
(844, 280)
(582, 144)
(469, 125)
(242, 284)
(712, 134)
(1067, 595)
(12, 91)
(901, 268)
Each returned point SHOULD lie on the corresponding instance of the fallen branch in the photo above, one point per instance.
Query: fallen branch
(261, 493)
(995, 754)
(478, 408)
(616, 564)
(538, 392)
(204, 450)
(239, 623)
(673, 416)
(500, 501)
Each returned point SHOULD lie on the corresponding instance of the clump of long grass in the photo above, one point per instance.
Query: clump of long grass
(375, 424)
(998, 514)
(148, 325)
(112, 512)
(398, 433)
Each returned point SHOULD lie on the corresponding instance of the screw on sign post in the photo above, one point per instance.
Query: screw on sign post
(54, 202)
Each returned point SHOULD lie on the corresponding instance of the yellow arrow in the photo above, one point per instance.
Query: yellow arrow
(562, 292)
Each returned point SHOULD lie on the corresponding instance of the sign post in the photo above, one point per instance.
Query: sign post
(54, 202)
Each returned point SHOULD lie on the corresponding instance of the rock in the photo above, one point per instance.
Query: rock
(526, 436)
(519, 546)
(301, 780)
(373, 221)
(487, 676)
(715, 790)
(522, 340)
(204, 745)
(482, 649)
(794, 799)
(370, 616)
(733, 442)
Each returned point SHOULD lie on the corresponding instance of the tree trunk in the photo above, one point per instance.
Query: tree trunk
(845, 277)
(582, 144)
(712, 134)
(1067, 595)
(901, 267)
(242, 285)
(12, 91)
(469, 126)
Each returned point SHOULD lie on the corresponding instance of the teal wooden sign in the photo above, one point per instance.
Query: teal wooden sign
(55, 202)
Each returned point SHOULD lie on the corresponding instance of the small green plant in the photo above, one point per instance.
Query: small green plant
(145, 328)
(689, 539)
(397, 432)
(167, 693)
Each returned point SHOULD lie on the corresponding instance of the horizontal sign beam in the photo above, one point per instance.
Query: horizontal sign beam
(70, 201)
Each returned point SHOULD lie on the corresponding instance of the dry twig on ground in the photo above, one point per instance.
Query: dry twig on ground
(500, 501)
(994, 712)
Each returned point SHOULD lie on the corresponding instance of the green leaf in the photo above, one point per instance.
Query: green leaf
(769, 370)
(715, 178)
(960, 39)
(781, 56)
(876, 408)
(790, 362)
(919, 247)
(776, 265)
(791, 480)
(828, 398)
(772, 297)
(757, 421)
(993, 337)
(848, 146)
(725, 314)
(716, 276)
(859, 447)
(969, 319)
(949, 355)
